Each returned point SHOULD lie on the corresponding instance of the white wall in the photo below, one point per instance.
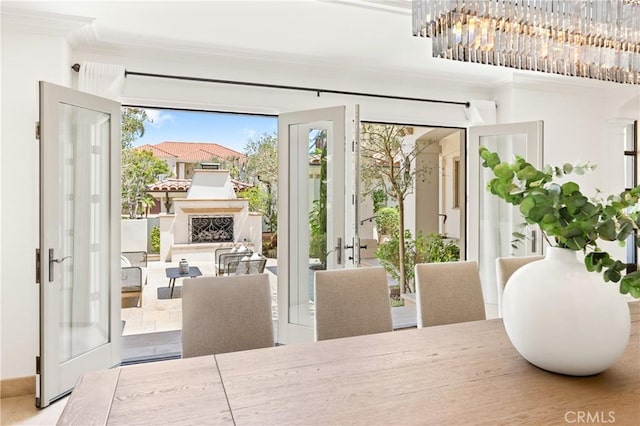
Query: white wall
(450, 147)
(427, 189)
(582, 123)
(133, 235)
(26, 59)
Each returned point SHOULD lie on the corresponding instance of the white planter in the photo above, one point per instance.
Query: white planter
(564, 319)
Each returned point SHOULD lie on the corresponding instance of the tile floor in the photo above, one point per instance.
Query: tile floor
(166, 314)
(22, 410)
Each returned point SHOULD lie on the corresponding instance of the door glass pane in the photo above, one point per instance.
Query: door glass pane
(84, 231)
(499, 220)
(309, 198)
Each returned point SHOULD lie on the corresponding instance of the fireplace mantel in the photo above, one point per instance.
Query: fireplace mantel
(202, 210)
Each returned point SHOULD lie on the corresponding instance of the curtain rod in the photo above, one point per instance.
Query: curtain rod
(76, 68)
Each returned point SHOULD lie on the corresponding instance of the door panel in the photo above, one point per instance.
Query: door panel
(79, 238)
(311, 230)
(491, 220)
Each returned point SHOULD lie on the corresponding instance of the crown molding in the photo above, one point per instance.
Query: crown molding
(43, 23)
(398, 7)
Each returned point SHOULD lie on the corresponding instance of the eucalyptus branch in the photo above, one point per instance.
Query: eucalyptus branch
(561, 211)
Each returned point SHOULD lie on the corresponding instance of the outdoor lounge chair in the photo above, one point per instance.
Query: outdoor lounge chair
(253, 265)
(225, 258)
(133, 275)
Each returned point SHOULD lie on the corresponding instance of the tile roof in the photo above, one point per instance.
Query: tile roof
(191, 152)
(182, 185)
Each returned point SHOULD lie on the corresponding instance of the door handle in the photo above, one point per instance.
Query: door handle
(338, 249)
(534, 236)
(348, 247)
(52, 261)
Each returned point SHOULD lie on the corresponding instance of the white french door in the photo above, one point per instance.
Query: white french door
(491, 220)
(315, 223)
(79, 238)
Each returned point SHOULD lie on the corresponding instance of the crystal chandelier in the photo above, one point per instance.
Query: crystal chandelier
(597, 39)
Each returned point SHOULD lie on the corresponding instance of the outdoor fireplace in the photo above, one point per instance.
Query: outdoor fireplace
(210, 229)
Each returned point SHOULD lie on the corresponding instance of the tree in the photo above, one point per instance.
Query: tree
(139, 168)
(387, 165)
(132, 128)
(262, 170)
(257, 198)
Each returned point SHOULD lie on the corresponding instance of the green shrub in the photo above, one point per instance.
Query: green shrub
(379, 200)
(387, 221)
(155, 239)
(424, 249)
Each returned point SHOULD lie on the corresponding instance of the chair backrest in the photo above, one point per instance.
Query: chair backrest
(226, 314)
(249, 266)
(448, 293)
(351, 302)
(226, 258)
(219, 251)
(131, 278)
(134, 258)
(505, 267)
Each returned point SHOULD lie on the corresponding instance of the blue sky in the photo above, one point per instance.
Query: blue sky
(230, 130)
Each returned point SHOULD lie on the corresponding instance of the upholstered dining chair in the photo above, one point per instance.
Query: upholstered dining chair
(351, 302)
(505, 267)
(226, 314)
(448, 293)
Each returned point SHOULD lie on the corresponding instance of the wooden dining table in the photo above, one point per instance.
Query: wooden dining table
(462, 374)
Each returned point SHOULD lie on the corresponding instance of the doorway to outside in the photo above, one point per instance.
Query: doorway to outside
(186, 141)
(163, 154)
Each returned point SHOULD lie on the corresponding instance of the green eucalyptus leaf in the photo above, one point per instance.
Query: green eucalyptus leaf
(527, 173)
(569, 188)
(526, 205)
(626, 228)
(607, 230)
(567, 168)
(610, 211)
(612, 275)
(576, 243)
(589, 262)
(503, 172)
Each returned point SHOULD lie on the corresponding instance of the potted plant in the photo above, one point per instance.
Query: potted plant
(559, 314)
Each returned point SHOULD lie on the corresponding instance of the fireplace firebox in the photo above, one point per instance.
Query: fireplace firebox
(210, 229)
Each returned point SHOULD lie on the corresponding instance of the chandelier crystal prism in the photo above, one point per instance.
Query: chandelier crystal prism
(598, 39)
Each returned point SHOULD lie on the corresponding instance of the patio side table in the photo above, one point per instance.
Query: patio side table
(173, 273)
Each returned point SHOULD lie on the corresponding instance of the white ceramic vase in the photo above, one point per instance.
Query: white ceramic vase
(564, 319)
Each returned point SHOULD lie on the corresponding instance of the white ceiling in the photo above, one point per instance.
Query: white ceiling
(347, 33)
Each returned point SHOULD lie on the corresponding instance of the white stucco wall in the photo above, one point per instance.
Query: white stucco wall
(133, 235)
(450, 150)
